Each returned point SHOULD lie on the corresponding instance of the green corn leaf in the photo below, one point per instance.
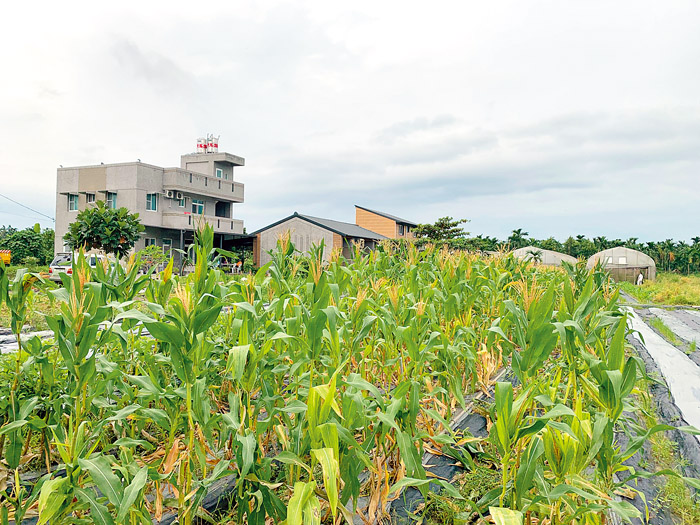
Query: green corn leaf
(526, 471)
(294, 407)
(410, 455)
(124, 413)
(303, 492)
(408, 482)
(249, 445)
(14, 425)
(159, 416)
(146, 386)
(99, 513)
(237, 357)
(289, 458)
(52, 497)
(131, 493)
(100, 471)
(204, 320)
(13, 448)
(166, 332)
(131, 443)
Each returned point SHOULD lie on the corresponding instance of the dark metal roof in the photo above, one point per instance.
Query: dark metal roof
(399, 220)
(345, 229)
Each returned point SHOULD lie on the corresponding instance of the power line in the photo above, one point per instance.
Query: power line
(15, 214)
(27, 207)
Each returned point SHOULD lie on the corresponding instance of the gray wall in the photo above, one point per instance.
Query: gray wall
(303, 235)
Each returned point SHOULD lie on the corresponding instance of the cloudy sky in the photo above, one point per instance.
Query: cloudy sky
(559, 117)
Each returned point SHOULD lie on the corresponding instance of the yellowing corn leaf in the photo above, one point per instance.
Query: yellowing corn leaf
(503, 516)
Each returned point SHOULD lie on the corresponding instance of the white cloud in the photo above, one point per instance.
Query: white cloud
(559, 117)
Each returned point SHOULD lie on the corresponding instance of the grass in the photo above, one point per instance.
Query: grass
(664, 330)
(668, 288)
(40, 306)
(473, 485)
(674, 494)
(12, 269)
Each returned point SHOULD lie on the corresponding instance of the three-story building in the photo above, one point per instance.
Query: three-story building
(170, 201)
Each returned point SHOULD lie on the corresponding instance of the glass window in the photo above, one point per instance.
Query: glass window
(111, 200)
(150, 241)
(90, 198)
(219, 173)
(62, 259)
(167, 245)
(198, 206)
(181, 202)
(400, 229)
(152, 202)
(72, 202)
(622, 260)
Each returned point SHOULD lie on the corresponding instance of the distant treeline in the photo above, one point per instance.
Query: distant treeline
(669, 255)
(30, 246)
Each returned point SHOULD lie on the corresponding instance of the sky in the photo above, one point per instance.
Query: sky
(559, 117)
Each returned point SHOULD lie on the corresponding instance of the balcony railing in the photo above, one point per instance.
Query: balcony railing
(188, 221)
(195, 183)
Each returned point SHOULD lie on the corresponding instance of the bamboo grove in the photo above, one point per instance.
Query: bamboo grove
(315, 388)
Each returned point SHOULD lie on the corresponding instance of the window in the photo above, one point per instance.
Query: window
(90, 198)
(181, 202)
(219, 173)
(622, 260)
(198, 206)
(608, 260)
(400, 229)
(151, 202)
(72, 202)
(150, 241)
(167, 245)
(111, 200)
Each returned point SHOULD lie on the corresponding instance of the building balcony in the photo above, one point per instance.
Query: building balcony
(188, 221)
(193, 183)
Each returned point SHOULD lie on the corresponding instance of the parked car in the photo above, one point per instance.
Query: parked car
(63, 263)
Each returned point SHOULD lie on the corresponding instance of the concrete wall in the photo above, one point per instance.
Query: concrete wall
(132, 182)
(303, 234)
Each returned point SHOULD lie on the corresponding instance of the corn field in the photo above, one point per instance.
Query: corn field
(314, 388)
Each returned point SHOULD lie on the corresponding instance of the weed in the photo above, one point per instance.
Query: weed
(664, 330)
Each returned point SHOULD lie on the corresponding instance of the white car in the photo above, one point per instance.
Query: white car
(63, 263)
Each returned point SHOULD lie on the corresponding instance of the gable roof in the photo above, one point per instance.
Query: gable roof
(345, 229)
(394, 218)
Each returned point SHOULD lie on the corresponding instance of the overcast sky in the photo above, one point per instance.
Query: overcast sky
(558, 117)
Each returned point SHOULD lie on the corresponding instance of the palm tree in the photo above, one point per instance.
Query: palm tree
(601, 243)
(517, 238)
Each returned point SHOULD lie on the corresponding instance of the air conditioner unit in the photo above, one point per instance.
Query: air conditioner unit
(170, 194)
(178, 195)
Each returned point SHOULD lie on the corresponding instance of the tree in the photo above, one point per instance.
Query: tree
(517, 238)
(112, 230)
(29, 243)
(445, 228)
(551, 244)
